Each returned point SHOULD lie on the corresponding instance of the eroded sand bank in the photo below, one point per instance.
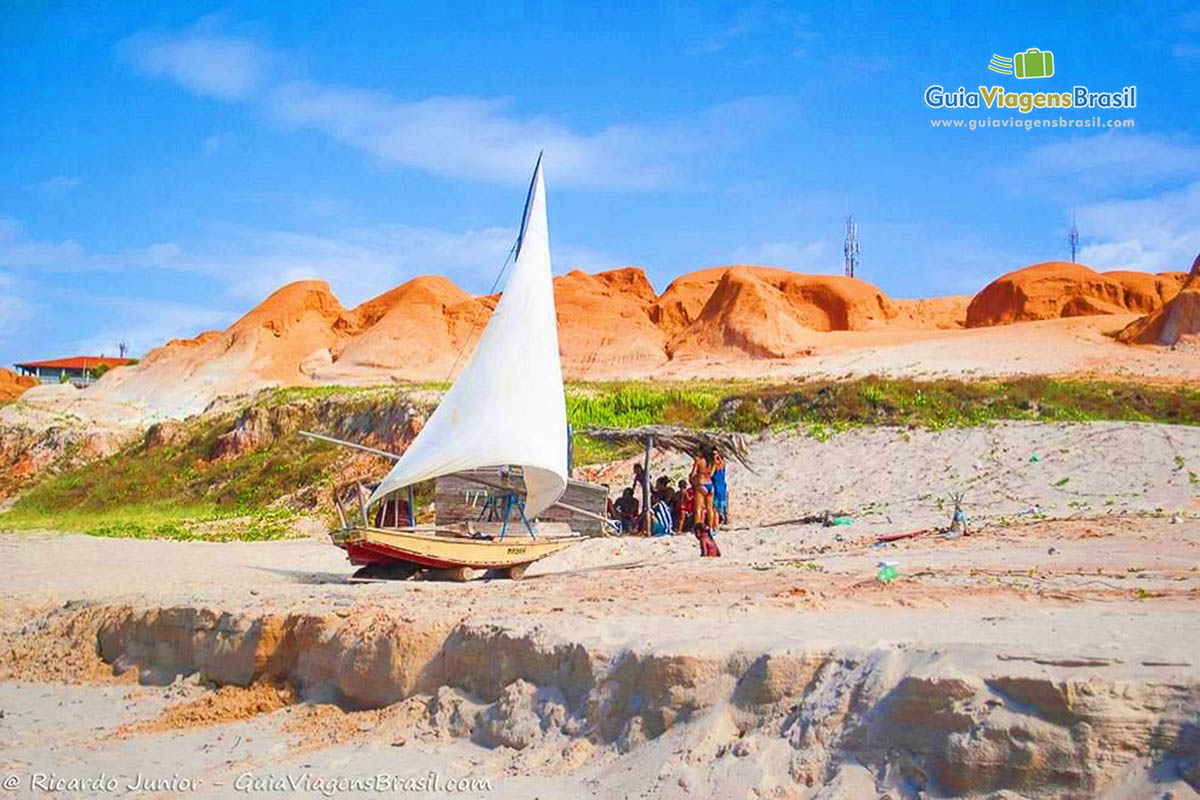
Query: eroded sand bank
(1034, 658)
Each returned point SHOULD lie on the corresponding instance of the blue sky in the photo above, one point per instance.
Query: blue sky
(166, 166)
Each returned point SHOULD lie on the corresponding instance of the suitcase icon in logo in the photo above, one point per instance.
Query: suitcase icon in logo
(1033, 63)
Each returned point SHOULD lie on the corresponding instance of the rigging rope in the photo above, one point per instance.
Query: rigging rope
(475, 328)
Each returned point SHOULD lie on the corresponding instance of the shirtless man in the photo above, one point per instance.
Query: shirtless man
(628, 511)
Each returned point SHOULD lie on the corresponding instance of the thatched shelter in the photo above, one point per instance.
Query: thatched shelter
(683, 440)
(669, 437)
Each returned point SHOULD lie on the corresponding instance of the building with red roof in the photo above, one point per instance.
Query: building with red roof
(79, 370)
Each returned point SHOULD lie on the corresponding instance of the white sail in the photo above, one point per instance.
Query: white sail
(507, 405)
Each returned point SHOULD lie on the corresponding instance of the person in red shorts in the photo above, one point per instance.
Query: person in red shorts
(685, 505)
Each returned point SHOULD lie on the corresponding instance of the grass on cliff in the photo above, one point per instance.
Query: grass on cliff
(157, 521)
(824, 407)
(946, 403)
(176, 491)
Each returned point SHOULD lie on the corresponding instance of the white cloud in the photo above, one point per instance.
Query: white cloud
(758, 21)
(802, 256)
(1150, 219)
(358, 263)
(949, 258)
(863, 65)
(226, 67)
(244, 265)
(56, 185)
(17, 251)
(458, 136)
(14, 308)
(746, 23)
(249, 263)
(480, 138)
(1186, 53)
(1155, 234)
(1108, 161)
(147, 324)
(569, 257)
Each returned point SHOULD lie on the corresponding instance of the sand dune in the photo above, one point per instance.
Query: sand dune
(1178, 320)
(13, 385)
(1060, 289)
(604, 322)
(417, 328)
(772, 313)
(280, 342)
(733, 321)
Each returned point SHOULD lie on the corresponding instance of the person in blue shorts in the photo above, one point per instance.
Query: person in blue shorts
(720, 490)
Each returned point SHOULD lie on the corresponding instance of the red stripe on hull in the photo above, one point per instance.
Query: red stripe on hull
(376, 553)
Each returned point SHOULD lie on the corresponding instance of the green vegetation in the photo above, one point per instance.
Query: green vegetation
(824, 408)
(628, 405)
(945, 404)
(182, 474)
(179, 489)
(166, 521)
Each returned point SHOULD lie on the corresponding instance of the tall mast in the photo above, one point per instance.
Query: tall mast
(528, 200)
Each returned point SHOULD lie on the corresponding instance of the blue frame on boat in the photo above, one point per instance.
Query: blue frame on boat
(511, 500)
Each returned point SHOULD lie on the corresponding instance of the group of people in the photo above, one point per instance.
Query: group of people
(697, 505)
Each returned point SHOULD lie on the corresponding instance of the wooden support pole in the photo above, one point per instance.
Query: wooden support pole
(646, 486)
(362, 504)
(570, 451)
(341, 513)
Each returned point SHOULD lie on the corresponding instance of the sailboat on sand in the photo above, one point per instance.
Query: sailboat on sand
(505, 410)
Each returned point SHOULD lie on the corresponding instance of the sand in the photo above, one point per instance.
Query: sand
(1048, 654)
(1081, 347)
(738, 321)
(13, 385)
(1062, 289)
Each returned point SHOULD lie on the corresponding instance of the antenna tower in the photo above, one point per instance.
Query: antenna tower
(1073, 238)
(851, 248)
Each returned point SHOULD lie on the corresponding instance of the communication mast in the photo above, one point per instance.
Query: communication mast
(123, 347)
(851, 248)
(1073, 238)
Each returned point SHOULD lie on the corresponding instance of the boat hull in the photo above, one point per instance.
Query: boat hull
(379, 546)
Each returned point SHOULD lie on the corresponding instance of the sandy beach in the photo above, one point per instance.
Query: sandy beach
(1049, 653)
(345, 352)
